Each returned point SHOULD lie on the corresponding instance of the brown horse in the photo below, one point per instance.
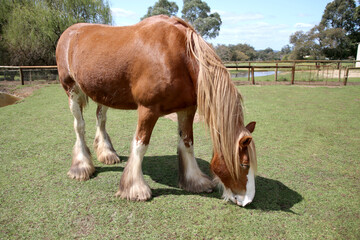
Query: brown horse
(158, 66)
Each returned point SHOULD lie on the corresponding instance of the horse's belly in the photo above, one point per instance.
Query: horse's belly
(114, 94)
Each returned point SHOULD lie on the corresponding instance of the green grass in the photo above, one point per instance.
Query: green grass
(308, 185)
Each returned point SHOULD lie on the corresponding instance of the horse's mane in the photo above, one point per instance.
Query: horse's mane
(219, 102)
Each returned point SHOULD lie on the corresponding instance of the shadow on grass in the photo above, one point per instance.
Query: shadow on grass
(271, 195)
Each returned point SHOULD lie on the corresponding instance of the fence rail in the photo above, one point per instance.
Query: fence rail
(314, 71)
(22, 68)
(252, 69)
(300, 69)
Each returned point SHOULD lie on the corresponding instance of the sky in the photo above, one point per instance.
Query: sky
(259, 23)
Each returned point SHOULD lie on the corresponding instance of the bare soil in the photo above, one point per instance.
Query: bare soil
(11, 91)
(14, 88)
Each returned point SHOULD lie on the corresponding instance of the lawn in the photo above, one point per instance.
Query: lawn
(307, 186)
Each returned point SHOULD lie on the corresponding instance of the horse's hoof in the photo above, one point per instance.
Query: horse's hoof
(109, 158)
(137, 192)
(201, 183)
(81, 173)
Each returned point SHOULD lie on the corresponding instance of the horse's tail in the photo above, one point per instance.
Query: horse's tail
(219, 102)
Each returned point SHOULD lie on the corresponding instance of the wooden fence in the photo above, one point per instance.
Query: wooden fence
(22, 68)
(251, 69)
(343, 68)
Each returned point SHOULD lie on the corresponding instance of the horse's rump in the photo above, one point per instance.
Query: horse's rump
(122, 67)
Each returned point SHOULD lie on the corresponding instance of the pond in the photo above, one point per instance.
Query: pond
(7, 99)
(257, 74)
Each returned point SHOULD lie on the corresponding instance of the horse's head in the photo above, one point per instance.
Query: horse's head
(239, 189)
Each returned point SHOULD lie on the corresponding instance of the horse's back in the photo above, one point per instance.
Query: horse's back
(123, 67)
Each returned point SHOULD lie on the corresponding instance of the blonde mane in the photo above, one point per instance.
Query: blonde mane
(219, 102)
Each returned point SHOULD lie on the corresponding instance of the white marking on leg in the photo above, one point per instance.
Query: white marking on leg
(102, 144)
(79, 127)
(192, 172)
(138, 151)
(82, 166)
(132, 183)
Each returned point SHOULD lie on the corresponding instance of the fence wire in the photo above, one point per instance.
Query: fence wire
(29, 74)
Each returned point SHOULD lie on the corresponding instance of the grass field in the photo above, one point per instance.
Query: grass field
(307, 186)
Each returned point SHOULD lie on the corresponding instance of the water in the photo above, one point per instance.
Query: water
(257, 74)
(7, 99)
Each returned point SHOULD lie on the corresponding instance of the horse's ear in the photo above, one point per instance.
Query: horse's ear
(245, 141)
(251, 126)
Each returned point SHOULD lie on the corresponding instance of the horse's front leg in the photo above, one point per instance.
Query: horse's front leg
(102, 144)
(191, 178)
(132, 184)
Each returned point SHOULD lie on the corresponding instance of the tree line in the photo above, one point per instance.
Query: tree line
(335, 37)
(30, 29)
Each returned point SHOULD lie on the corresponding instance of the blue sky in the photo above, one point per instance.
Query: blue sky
(260, 23)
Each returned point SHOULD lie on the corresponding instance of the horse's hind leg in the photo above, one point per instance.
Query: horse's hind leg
(191, 178)
(82, 167)
(102, 144)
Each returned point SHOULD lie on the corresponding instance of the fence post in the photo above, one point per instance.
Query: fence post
(346, 76)
(21, 76)
(252, 75)
(249, 72)
(276, 72)
(293, 74)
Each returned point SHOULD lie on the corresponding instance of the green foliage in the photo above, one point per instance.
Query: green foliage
(267, 55)
(244, 52)
(31, 28)
(335, 37)
(162, 7)
(303, 46)
(223, 52)
(197, 12)
(307, 187)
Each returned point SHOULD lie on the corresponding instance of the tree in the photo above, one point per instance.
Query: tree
(33, 27)
(162, 7)
(248, 50)
(335, 37)
(223, 52)
(339, 29)
(303, 45)
(285, 52)
(239, 52)
(197, 13)
(267, 54)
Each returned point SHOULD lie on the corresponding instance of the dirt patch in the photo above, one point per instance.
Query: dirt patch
(12, 91)
(23, 91)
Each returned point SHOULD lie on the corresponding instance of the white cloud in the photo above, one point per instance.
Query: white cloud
(119, 12)
(243, 17)
(258, 34)
(303, 25)
(124, 17)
